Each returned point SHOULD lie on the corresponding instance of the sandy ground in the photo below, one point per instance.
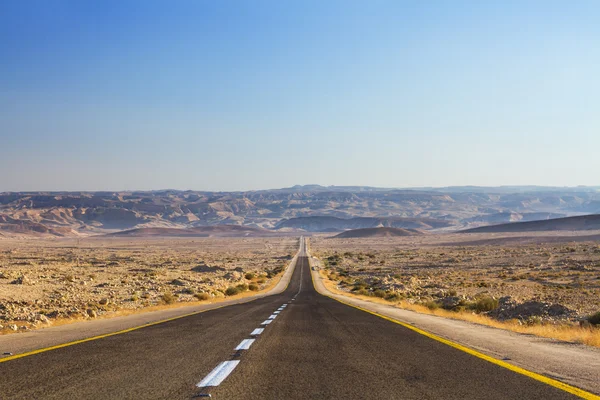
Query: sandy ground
(458, 270)
(44, 281)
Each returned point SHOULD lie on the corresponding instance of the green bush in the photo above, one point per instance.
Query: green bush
(242, 287)
(232, 291)
(594, 319)
(379, 293)
(253, 287)
(391, 296)
(485, 304)
(432, 305)
(249, 275)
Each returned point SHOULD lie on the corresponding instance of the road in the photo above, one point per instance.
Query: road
(313, 348)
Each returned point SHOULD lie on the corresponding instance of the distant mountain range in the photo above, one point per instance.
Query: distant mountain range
(309, 208)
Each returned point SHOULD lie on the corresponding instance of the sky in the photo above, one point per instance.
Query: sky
(257, 94)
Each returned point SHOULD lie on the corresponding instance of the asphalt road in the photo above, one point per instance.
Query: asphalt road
(314, 348)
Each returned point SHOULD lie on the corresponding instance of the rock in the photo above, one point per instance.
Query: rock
(22, 280)
(104, 301)
(13, 327)
(1, 327)
(232, 276)
(91, 313)
(42, 318)
(530, 310)
(451, 302)
(178, 282)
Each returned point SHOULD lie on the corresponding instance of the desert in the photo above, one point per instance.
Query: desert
(539, 279)
(44, 282)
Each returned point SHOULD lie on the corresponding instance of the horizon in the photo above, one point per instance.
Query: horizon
(243, 95)
(300, 186)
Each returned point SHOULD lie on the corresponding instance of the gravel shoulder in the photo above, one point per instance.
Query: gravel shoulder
(58, 335)
(575, 364)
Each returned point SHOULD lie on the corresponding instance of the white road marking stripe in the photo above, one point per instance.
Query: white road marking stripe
(257, 331)
(245, 344)
(272, 316)
(267, 322)
(218, 374)
(276, 312)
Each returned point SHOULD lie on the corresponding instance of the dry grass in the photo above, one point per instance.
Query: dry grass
(569, 333)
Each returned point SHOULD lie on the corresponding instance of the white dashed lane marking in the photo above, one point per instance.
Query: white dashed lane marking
(276, 312)
(272, 316)
(218, 374)
(245, 344)
(257, 331)
(267, 322)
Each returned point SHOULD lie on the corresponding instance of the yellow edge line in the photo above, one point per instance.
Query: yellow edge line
(135, 328)
(544, 379)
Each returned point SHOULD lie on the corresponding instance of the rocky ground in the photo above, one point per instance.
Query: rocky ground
(43, 281)
(525, 280)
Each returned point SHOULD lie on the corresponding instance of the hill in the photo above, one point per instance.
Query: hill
(580, 223)
(377, 232)
(201, 231)
(331, 224)
(311, 208)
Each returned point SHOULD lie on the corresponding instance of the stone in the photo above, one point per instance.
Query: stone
(22, 280)
(13, 327)
(91, 313)
(451, 302)
(42, 318)
(104, 301)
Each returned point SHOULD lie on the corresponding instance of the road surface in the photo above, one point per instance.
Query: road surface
(305, 346)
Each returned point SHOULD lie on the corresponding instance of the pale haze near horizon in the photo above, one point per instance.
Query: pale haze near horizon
(266, 94)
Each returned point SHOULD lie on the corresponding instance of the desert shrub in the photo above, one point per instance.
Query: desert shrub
(534, 320)
(485, 304)
(242, 287)
(168, 298)
(594, 319)
(232, 291)
(363, 292)
(261, 280)
(391, 296)
(358, 286)
(202, 296)
(379, 293)
(253, 287)
(249, 275)
(432, 305)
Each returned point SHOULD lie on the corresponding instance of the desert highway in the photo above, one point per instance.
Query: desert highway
(295, 345)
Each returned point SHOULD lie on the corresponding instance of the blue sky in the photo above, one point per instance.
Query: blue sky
(236, 95)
